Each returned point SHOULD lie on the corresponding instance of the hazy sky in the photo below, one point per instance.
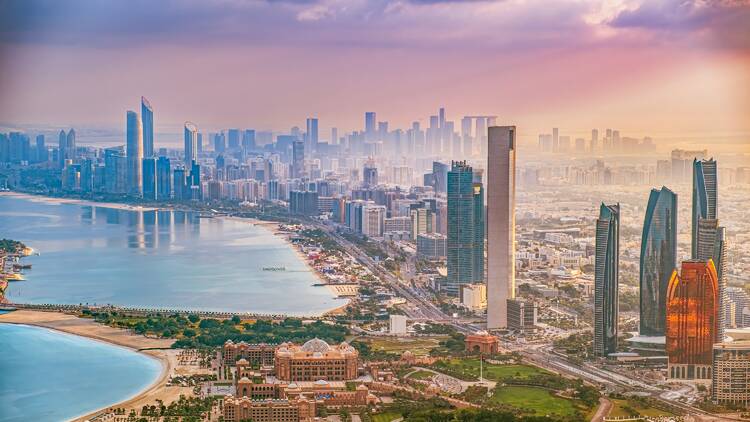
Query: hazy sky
(656, 66)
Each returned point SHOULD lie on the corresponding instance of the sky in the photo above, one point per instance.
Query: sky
(659, 67)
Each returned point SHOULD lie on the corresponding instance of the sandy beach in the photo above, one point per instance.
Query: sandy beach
(156, 348)
(52, 200)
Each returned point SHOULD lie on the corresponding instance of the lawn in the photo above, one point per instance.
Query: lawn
(619, 409)
(538, 400)
(419, 346)
(421, 375)
(385, 417)
(491, 372)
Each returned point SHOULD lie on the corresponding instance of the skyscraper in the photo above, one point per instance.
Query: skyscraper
(311, 136)
(704, 196)
(150, 179)
(66, 149)
(658, 259)
(501, 222)
(369, 125)
(163, 179)
(134, 153)
(147, 119)
(298, 159)
(692, 320)
(462, 248)
(191, 144)
(606, 270)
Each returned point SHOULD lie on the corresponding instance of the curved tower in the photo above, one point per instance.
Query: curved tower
(191, 144)
(658, 259)
(606, 272)
(147, 118)
(692, 320)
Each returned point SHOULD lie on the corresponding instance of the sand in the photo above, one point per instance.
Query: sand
(52, 200)
(156, 348)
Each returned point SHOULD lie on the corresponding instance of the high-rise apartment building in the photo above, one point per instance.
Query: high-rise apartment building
(298, 159)
(163, 179)
(147, 120)
(150, 178)
(465, 243)
(501, 222)
(191, 144)
(692, 320)
(658, 259)
(606, 273)
(134, 151)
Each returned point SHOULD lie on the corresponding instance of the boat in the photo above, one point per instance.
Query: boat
(14, 277)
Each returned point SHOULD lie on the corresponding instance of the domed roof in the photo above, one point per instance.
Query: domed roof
(321, 382)
(315, 345)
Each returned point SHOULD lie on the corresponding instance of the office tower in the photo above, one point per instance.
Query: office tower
(369, 125)
(704, 197)
(41, 149)
(191, 144)
(311, 136)
(194, 182)
(440, 174)
(692, 320)
(334, 136)
(248, 139)
(501, 222)
(163, 179)
(433, 136)
(421, 221)
(66, 149)
(115, 170)
(200, 143)
(465, 243)
(220, 144)
(149, 179)
(134, 153)
(298, 159)
(147, 119)
(468, 148)
(179, 184)
(233, 138)
(87, 176)
(370, 175)
(522, 315)
(658, 259)
(606, 270)
(555, 139)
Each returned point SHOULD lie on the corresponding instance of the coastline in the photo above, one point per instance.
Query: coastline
(272, 227)
(56, 200)
(157, 349)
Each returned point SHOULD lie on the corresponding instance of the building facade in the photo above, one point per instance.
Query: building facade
(465, 240)
(522, 315)
(692, 320)
(731, 374)
(606, 274)
(658, 260)
(316, 360)
(501, 222)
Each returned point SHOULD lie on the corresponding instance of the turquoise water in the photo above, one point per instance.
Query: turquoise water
(155, 259)
(52, 376)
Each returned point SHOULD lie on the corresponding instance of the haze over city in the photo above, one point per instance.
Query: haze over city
(670, 69)
(374, 211)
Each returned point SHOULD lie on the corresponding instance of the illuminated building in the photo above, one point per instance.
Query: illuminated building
(692, 320)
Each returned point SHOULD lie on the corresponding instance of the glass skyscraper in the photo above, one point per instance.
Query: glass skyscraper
(191, 144)
(147, 118)
(163, 179)
(465, 241)
(134, 154)
(149, 178)
(658, 259)
(606, 271)
(704, 197)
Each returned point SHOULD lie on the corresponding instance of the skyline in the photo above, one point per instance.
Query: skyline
(575, 66)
